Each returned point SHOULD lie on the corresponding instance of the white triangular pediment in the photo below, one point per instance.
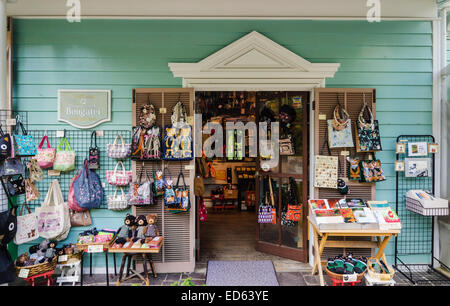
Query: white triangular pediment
(253, 61)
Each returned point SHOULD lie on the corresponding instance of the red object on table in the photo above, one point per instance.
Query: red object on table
(337, 282)
(47, 275)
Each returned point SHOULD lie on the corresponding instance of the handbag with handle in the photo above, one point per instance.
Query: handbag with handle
(294, 211)
(45, 156)
(80, 218)
(51, 215)
(119, 177)
(203, 212)
(11, 167)
(169, 192)
(5, 144)
(326, 169)
(117, 202)
(65, 157)
(118, 150)
(71, 200)
(94, 153)
(340, 129)
(141, 193)
(182, 194)
(24, 143)
(367, 132)
(27, 226)
(16, 185)
(88, 188)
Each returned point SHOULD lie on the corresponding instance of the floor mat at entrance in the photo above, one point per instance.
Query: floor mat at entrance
(241, 273)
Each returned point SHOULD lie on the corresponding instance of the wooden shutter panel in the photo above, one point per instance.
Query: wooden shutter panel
(178, 229)
(352, 99)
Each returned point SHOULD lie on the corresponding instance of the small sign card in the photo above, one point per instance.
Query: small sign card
(62, 258)
(163, 110)
(10, 121)
(322, 117)
(349, 278)
(24, 273)
(95, 248)
(52, 172)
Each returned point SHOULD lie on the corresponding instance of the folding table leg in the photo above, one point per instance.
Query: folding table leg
(147, 282)
(107, 270)
(122, 266)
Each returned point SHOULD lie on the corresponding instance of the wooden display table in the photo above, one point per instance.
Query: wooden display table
(130, 254)
(383, 237)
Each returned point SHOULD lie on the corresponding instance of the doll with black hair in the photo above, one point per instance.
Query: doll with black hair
(50, 251)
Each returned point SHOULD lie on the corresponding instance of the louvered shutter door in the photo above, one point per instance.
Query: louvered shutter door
(177, 229)
(352, 100)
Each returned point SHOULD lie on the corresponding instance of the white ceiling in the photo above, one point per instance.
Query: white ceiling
(224, 8)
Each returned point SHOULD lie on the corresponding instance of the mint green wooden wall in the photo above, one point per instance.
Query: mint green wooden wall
(395, 57)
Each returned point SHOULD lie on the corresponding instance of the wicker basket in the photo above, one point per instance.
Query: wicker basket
(39, 268)
(379, 276)
(340, 277)
(71, 256)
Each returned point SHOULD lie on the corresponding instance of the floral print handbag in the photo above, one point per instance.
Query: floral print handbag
(367, 133)
(45, 156)
(24, 143)
(340, 129)
(65, 157)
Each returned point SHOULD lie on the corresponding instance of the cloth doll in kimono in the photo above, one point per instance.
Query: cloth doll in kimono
(155, 146)
(151, 230)
(125, 231)
(139, 237)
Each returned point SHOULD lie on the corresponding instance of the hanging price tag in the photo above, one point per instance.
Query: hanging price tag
(10, 121)
(163, 110)
(52, 172)
(100, 133)
(96, 248)
(349, 278)
(322, 117)
(59, 133)
(189, 167)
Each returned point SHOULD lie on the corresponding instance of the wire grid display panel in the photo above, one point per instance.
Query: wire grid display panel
(176, 228)
(4, 115)
(80, 141)
(417, 231)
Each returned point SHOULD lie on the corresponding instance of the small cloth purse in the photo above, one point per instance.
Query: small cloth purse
(158, 183)
(117, 202)
(119, 151)
(141, 193)
(15, 186)
(169, 192)
(36, 173)
(65, 157)
(340, 129)
(11, 167)
(31, 192)
(24, 143)
(94, 157)
(367, 133)
(181, 195)
(119, 178)
(5, 145)
(45, 156)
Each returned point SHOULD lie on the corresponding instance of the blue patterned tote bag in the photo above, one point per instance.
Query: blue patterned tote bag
(24, 143)
(88, 188)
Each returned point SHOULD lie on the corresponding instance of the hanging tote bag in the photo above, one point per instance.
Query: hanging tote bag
(11, 167)
(340, 129)
(326, 170)
(294, 211)
(24, 143)
(65, 157)
(158, 183)
(5, 144)
(71, 201)
(181, 195)
(119, 178)
(367, 133)
(88, 188)
(169, 192)
(141, 193)
(16, 185)
(36, 173)
(119, 151)
(31, 192)
(94, 153)
(51, 213)
(67, 224)
(27, 226)
(117, 202)
(45, 156)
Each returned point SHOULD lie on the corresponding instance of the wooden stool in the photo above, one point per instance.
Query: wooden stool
(132, 257)
(47, 275)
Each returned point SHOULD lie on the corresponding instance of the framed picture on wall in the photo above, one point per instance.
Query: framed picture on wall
(399, 165)
(400, 148)
(433, 148)
(417, 167)
(417, 149)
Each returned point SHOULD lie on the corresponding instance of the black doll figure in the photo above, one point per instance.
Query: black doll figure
(125, 231)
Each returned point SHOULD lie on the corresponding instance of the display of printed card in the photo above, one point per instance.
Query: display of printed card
(334, 203)
(355, 203)
(318, 204)
(426, 199)
(386, 216)
(348, 216)
(328, 216)
(364, 215)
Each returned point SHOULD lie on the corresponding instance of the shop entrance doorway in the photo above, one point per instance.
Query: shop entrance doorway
(236, 185)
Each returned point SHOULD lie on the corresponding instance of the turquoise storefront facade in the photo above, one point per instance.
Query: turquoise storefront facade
(394, 57)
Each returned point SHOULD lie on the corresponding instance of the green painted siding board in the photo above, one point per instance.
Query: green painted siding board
(395, 57)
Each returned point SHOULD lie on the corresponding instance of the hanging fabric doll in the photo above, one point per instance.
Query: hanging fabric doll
(354, 171)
